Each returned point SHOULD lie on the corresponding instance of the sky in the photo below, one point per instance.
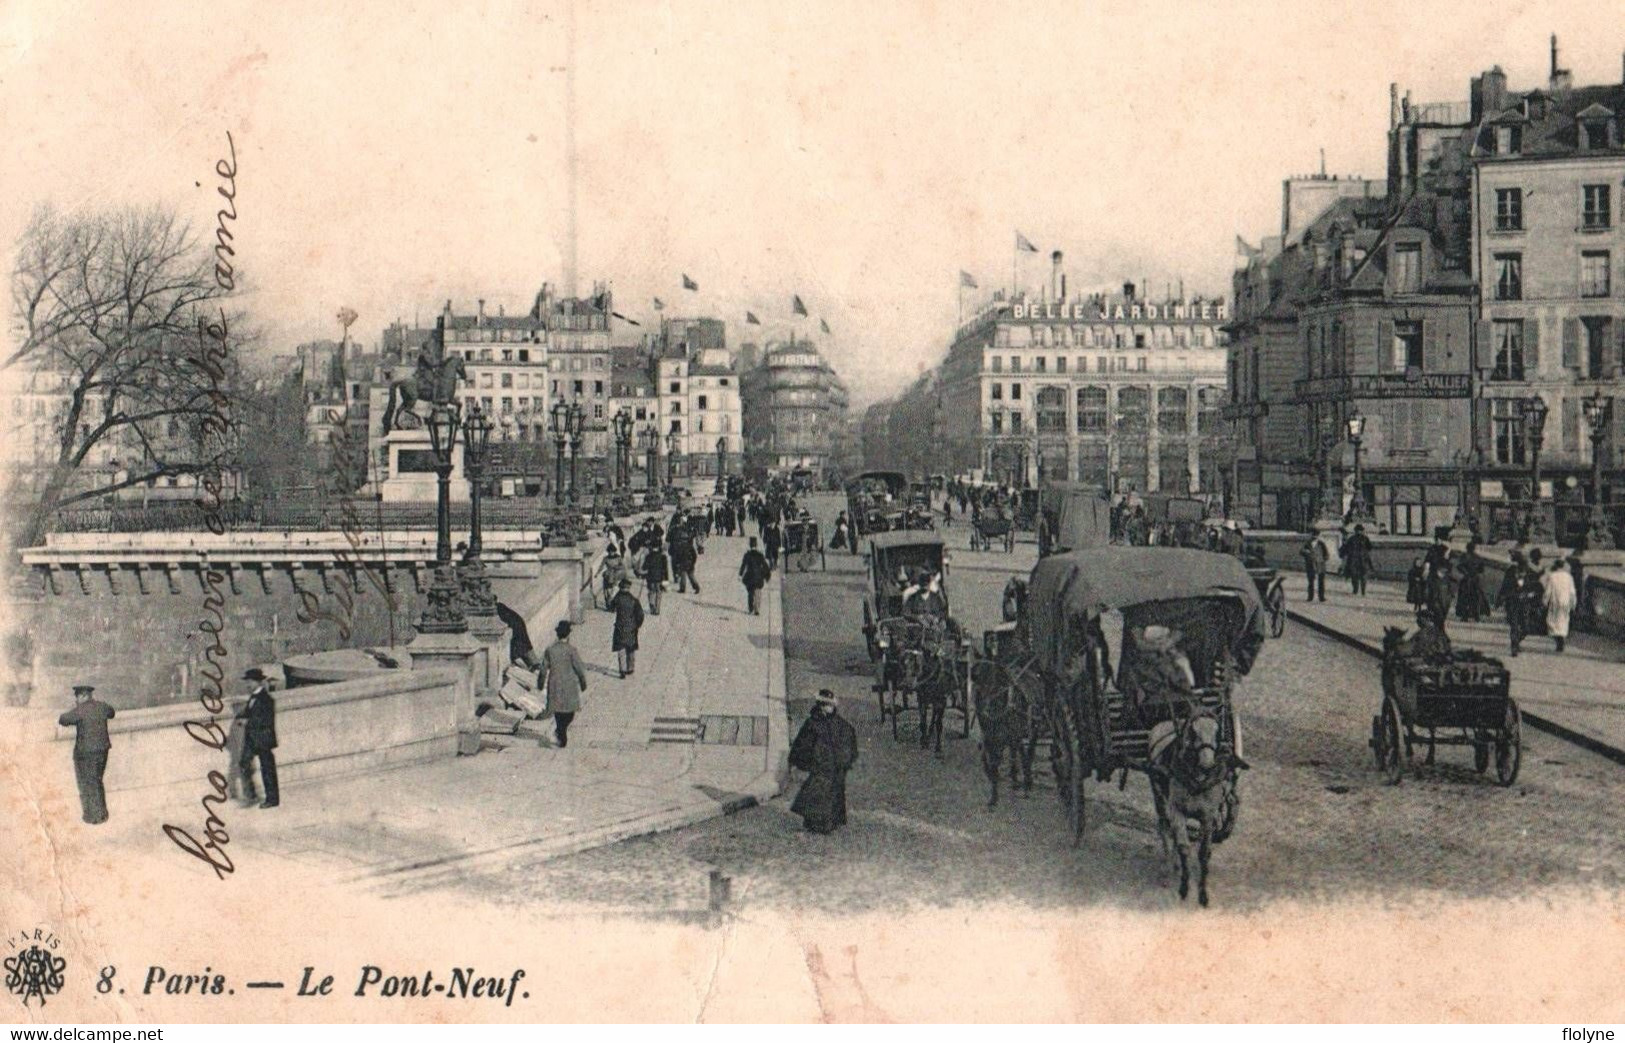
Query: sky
(862, 154)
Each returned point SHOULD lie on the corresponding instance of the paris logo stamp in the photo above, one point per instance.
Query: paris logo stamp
(33, 970)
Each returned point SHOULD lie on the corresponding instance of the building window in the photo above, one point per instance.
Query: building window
(1594, 273)
(1015, 423)
(1015, 363)
(1407, 268)
(1171, 405)
(676, 427)
(1139, 364)
(507, 380)
(1594, 208)
(1596, 134)
(1508, 423)
(507, 354)
(1139, 340)
(1508, 141)
(1508, 350)
(1407, 345)
(507, 404)
(1598, 335)
(1102, 364)
(1015, 392)
(485, 380)
(1052, 410)
(1509, 210)
(598, 387)
(998, 364)
(1038, 364)
(676, 388)
(1060, 364)
(702, 402)
(524, 354)
(998, 423)
(998, 392)
(1092, 409)
(1509, 277)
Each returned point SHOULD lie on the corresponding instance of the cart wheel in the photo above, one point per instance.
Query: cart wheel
(869, 633)
(1066, 759)
(1377, 742)
(1481, 755)
(1393, 743)
(1277, 610)
(970, 697)
(897, 703)
(1509, 747)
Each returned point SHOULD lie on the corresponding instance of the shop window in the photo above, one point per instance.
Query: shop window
(1092, 409)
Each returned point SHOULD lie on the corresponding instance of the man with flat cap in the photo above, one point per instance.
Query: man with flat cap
(259, 739)
(89, 718)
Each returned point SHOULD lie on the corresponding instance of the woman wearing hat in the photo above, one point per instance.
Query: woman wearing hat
(825, 748)
(628, 621)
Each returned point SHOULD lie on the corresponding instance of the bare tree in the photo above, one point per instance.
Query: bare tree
(121, 311)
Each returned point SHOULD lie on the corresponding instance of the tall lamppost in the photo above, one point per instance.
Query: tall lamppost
(576, 417)
(561, 414)
(1534, 410)
(1359, 509)
(722, 463)
(650, 439)
(671, 458)
(478, 600)
(1599, 411)
(442, 613)
(623, 449)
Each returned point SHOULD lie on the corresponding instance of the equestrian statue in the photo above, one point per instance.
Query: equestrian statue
(434, 382)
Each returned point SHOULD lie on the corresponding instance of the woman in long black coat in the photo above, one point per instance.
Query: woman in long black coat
(825, 748)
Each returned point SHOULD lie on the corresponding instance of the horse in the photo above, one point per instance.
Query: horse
(1193, 778)
(435, 383)
(1009, 719)
(1013, 604)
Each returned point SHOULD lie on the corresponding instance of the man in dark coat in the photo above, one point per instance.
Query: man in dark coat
(259, 738)
(628, 621)
(1313, 553)
(1441, 586)
(753, 572)
(825, 748)
(655, 574)
(89, 718)
(772, 537)
(1356, 552)
(684, 556)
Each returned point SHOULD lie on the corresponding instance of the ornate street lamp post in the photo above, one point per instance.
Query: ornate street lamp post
(1534, 411)
(560, 414)
(671, 458)
(722, 463)
(650, 440)
(623, 449)
(1360, 510)
(1599, 411)
(478, 600)
(442, 614)
(576, 417)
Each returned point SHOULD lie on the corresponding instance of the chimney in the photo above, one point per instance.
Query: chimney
(1562, 80)
(1393, 106)
(1057, 278)
(1493, 91)
(479, 316)
(1128, 291)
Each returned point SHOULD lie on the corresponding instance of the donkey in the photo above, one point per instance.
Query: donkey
(1193, 779)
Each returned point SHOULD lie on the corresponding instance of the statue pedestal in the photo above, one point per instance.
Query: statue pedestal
(492, 635)
(412, 477)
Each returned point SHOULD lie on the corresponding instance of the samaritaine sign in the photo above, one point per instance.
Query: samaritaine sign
(1204, 312)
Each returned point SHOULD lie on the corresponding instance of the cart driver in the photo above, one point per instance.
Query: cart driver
(1430, 642)
(926, 597)
(1154, 669)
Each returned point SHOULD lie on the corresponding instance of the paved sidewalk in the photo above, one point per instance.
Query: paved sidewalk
(1578, 695)
(699, 731)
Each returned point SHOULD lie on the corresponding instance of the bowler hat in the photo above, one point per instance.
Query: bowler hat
(826, 697)
(253, 673)
(626, 584)
(85, 688)
(563, 629)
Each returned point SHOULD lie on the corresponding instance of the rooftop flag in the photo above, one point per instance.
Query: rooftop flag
(1023, 243)
(689, 284)
(796, 305)
(660, 305)
(1246, 250)
(966, 280)
(623, 318)
(823, 325)
(751, 319)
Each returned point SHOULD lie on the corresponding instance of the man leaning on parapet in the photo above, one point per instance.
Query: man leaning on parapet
(89, 717)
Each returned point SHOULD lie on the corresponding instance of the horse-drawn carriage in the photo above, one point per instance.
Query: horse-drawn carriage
(1191, 623)
(802, 544)
(1456, 697)
(1271, 584)
(991, 524)
(876, 501)
(1072, 516)
(921, 654)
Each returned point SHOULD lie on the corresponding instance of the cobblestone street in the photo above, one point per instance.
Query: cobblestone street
(1318, 821)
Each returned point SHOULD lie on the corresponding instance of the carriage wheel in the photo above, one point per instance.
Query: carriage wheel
(969, 696)
(894, 697)
(1277, 610)
(1393, 743)
(1066, 760)
(869, 633)
(1509, 746)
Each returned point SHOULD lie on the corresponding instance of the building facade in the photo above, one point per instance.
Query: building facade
(1115, 390)
(796, 411)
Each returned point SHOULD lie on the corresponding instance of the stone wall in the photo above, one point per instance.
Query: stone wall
(395, 717)
(150, 619)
